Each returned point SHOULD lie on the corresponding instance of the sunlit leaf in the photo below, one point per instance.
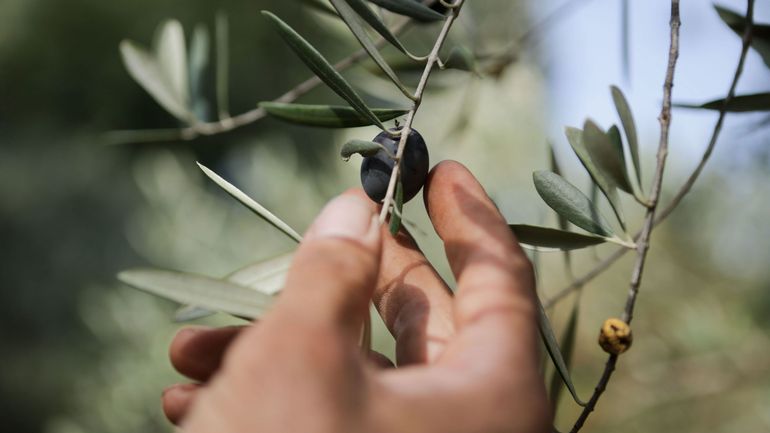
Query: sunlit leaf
(360, 7)
(607, 154)
(146, 71)
(361, 147)
(251, 204)
(555, 239)
(200, 49)
(567, 345)
(575, 138)
(327, 116)
(760, 33)
(410, 8)
(398, 207)
(321, 67)
(546, 333)
(204, 292)
(568, 201)
(172, 58)
(629, 126)
(739, 104)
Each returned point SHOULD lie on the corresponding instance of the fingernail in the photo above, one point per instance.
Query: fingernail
(346, 216)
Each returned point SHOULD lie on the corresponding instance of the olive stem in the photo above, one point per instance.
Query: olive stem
(433, 58)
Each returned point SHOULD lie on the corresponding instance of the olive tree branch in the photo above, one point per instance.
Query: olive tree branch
(643, 243)
(433, 58)
(688, 184)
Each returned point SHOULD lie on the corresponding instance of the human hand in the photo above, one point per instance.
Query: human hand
(467, 363)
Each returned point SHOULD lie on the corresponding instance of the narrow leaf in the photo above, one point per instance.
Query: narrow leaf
(553, 238)
(608, 188)
(205, 292)
(568, 201)
(360, 7)
(567, 345)
(760, 33)
(321, 6)
(145, 70)
(556, 169)
(410, 8)
(398, 206)
(629, 126)
(739, 104)
(327, 116)
(607, 154)
(188, 313)
(321, 67)
(251, 204)
(200, 48)
(172, 58)
(361, 147)
(352, 20)
(546, 333)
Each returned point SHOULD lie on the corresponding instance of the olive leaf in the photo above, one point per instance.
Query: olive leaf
(461, 59)
(172, 58)
(575, 139)
(568, 201)
(354, 23)
(546, 333)
(556, 168)
(398, 206)
(760, 33)
(146, 69)
(567, 345)
(266, 276)
(200, 48)
(410, 8)
(360, 7)
(629, 126)
(606, 150)
(321, 67)
(205, 292)
(251, 204)
(363, 148)
(327, 116)
(553, 239)
(321, 6)
(738, 104)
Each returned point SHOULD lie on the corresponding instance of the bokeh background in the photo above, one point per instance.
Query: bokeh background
(80, 352)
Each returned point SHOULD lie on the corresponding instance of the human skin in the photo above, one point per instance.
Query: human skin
(467, 363)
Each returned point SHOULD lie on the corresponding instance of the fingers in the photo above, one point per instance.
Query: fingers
(413, 300)
(494, 305)
(177, 399)
(197, 352)
(335, 269)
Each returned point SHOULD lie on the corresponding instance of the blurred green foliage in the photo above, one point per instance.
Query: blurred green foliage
(79, 353)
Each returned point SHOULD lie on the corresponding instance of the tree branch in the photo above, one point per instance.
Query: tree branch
(433, 58)
(688, 184)
(643, 243)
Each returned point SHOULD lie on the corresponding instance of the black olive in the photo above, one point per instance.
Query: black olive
(376, 170)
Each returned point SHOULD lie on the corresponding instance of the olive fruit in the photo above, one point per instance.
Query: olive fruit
(376, 169)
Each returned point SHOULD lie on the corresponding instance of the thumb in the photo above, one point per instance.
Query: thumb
(334, 272)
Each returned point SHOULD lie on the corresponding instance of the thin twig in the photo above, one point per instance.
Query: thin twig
(688, 184)
(643, 243)
(407, 127)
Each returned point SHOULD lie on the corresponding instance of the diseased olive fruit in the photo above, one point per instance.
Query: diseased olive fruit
(376, 170)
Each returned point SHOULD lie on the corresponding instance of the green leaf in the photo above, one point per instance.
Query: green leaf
(739, 104)
(352, 20)
(567, 345)
(553, 238)
(204, 292)
(606, 150)
(327, 116)
(575, 138)
(361, 147)
(410, 8)
(568, 201)
(556, 169)
(546, 333)
(267, 276)
(144, 68)
(200, 48)
(360, 7)
(321, 6)
(321, 67)
(760, 33)
(251, 204)
(629, 126)
(172, 58)
(398, 206)
(461, 59)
